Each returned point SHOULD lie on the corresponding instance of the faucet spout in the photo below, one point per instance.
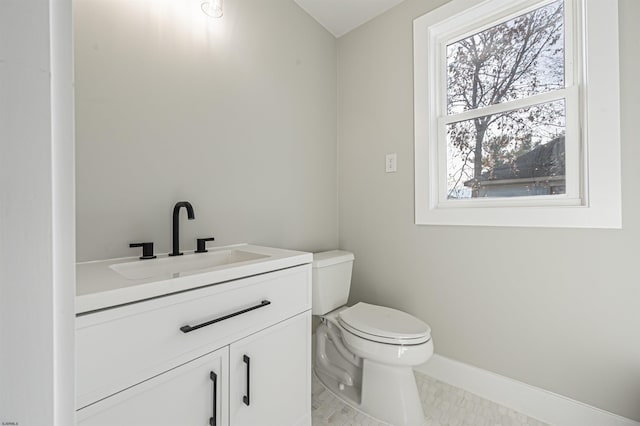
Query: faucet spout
(176, 223)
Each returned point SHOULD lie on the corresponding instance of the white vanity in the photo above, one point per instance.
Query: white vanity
(219, 338)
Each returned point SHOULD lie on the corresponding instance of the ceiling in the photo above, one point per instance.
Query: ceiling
(342, 16)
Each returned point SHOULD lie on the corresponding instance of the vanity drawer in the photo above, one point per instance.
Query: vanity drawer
(121, 347)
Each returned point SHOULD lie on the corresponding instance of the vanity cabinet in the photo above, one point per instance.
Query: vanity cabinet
(157, 361)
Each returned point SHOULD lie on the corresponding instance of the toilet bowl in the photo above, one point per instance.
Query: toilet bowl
(365, 354)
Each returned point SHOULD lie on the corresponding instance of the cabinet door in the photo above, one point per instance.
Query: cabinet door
(271, 375)
(182, 396)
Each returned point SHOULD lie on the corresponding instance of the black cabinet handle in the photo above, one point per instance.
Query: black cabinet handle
(214, 378)
(190, 328)
(202, 244)
(247, 361)
(147, 250)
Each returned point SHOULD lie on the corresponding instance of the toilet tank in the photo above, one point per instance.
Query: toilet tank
(331, 280)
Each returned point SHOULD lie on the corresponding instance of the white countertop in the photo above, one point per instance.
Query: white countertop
(98, 286)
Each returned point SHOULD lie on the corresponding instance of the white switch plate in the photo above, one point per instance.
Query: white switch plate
(391, 163)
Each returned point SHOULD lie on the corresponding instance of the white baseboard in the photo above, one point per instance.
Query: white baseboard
(540, 404)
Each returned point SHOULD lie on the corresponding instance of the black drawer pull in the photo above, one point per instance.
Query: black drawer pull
(189, 328)
(214, 378)
(247, 361)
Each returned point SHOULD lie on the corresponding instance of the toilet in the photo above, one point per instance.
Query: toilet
(365, 353)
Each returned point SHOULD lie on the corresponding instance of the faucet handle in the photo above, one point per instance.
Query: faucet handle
(202, 243)
(147, 250)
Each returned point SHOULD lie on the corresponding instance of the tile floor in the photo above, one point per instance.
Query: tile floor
(443, 404)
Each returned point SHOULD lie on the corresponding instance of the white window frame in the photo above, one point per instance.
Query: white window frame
(593, 197)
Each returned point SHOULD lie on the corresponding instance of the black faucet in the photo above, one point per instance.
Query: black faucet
(176, 216)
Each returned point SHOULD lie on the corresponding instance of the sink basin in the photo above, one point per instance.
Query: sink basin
(183, 265)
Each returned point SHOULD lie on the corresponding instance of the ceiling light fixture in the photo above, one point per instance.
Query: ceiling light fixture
(212, 8)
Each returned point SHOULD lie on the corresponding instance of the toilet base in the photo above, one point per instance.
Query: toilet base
(385, 392)
(390, 393)
(388, 396)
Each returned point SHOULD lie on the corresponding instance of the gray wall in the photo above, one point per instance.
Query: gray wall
(555, 308)
(235, 115)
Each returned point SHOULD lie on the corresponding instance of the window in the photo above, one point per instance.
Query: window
(511, 105)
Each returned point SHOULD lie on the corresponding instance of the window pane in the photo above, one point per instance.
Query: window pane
(512, 60)
(511, 154)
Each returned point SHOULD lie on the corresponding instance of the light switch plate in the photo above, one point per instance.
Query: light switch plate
(391, 163)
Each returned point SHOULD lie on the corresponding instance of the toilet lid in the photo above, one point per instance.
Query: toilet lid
(385, 325)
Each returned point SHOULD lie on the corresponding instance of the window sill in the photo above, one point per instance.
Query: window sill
(545, 217)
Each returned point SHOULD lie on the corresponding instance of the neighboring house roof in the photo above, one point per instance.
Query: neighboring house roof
(543, 161)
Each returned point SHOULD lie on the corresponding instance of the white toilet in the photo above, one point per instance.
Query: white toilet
(365, 353)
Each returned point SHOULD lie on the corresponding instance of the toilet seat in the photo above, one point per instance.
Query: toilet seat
(384, 325)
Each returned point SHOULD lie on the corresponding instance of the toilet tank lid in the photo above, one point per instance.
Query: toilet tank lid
(328, 258)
